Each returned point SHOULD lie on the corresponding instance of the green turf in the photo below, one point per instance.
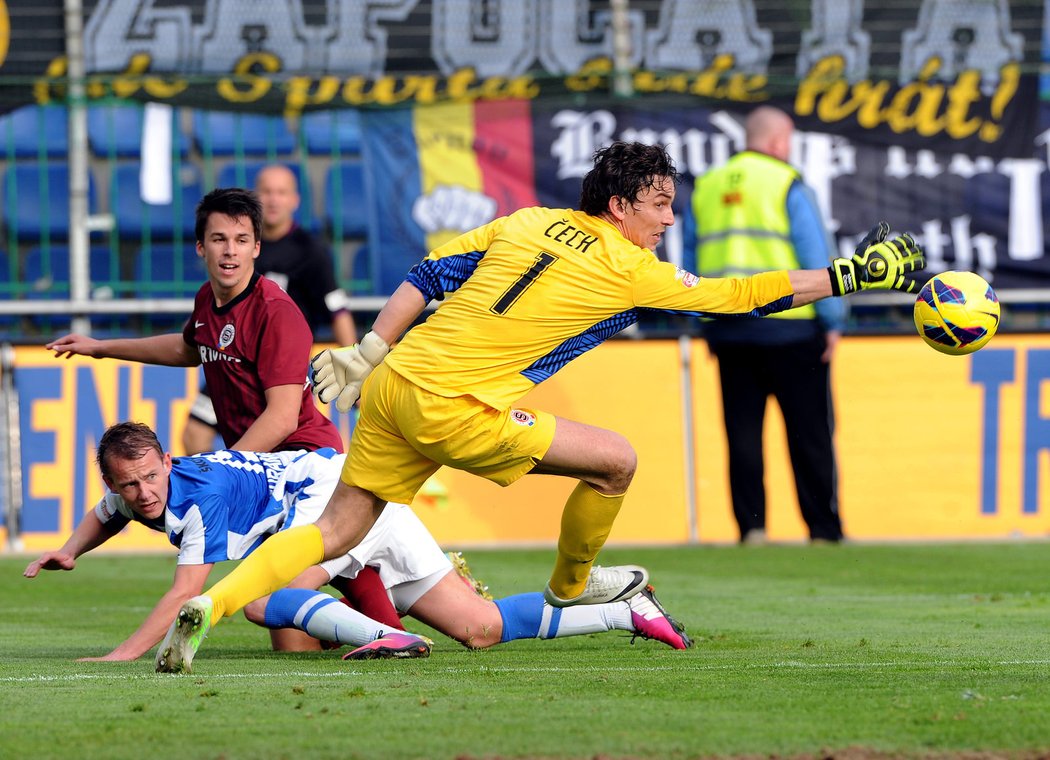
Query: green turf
(897, 649)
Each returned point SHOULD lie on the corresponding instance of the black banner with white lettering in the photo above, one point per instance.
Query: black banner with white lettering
(428, 184)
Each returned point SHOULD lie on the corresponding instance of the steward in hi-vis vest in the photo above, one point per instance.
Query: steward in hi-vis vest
(743, 226)
(755, 214)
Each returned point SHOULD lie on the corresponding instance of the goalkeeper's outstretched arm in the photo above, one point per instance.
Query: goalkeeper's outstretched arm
(809, 285)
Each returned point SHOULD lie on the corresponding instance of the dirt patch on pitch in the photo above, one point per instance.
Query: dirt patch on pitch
(863, 753)
(850, 753)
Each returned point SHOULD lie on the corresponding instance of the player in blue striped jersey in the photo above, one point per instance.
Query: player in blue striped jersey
(212, 507)
(222, 505)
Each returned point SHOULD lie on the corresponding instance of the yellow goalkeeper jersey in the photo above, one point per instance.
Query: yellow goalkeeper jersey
(527, 293)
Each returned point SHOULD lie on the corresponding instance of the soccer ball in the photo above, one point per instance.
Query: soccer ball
(957, 312)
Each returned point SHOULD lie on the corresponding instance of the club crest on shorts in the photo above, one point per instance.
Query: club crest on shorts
(226, 336)
(523, 418)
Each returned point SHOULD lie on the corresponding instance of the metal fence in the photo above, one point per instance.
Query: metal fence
(141, 254)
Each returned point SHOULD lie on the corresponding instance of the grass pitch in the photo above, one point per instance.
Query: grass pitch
(877, 650)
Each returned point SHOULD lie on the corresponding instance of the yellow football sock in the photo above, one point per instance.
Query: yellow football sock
(585, 524)
(270, 567)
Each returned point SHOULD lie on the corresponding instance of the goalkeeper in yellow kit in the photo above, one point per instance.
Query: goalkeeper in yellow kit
(523, 296)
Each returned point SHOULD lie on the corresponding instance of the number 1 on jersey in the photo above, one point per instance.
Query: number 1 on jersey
(523, 283)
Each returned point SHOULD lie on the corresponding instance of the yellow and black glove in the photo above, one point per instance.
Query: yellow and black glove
(878, 263)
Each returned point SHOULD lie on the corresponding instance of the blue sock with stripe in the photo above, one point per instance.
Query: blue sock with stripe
(320, 615)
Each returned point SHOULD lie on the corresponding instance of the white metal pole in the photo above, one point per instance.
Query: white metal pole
(685, 357)
(621, 27)
(10, 449)
(79, 271)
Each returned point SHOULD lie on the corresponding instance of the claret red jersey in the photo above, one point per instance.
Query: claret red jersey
(258, 340)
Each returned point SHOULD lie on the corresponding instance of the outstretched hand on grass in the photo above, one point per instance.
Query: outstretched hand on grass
(50, 561)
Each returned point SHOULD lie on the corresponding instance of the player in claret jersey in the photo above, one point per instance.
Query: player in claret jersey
(251, 337)
(299, 263)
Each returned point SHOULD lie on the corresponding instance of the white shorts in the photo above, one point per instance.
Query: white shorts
(400, 548)
(203, 410)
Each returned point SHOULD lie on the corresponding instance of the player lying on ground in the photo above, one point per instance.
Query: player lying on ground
(222, 505)
(443, 601)
(523, 296)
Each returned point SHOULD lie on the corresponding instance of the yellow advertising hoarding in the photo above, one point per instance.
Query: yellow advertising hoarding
(929, 446)
(64, 406)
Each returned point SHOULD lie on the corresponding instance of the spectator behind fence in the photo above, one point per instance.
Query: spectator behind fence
(298, 262)
(755, 214)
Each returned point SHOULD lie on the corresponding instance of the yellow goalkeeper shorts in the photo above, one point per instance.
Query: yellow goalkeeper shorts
(404, 433)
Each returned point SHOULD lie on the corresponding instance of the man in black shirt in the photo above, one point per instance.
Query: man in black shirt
(298, 261)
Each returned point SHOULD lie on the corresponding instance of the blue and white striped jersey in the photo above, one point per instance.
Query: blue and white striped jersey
(222, 505)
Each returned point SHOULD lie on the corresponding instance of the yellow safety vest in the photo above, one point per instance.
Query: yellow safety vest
(742, 226)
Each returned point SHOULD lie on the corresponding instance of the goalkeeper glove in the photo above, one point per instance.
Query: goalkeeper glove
(878, 263)
(340, 372)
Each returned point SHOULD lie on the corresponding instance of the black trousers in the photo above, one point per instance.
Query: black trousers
(800, 382)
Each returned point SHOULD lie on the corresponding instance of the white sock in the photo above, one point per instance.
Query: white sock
(584, 618)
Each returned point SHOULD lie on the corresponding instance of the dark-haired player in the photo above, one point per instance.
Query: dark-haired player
(298, 262)
(524, 295)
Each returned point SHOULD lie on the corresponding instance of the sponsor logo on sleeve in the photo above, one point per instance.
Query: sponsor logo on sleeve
(688, 279)
(523, 418)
